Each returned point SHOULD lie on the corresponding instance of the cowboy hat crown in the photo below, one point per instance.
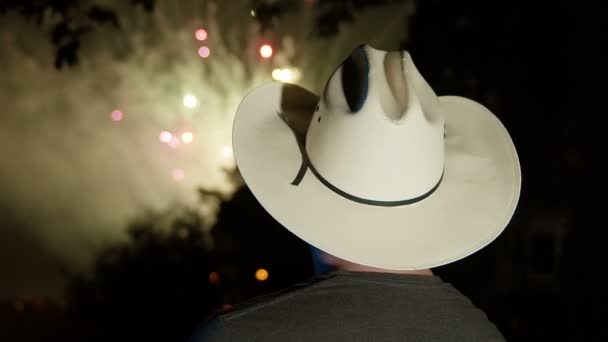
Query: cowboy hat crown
(376, 134)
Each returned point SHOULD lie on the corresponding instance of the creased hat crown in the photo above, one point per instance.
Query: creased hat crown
(376, 133)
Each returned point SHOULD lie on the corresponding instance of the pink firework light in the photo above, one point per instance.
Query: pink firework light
(204, 51)
(200, 34)
(117, 115)
(165, 137)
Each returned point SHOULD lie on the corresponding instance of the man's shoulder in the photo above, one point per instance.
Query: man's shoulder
(343, 307)
(216, 327)
(211, 329)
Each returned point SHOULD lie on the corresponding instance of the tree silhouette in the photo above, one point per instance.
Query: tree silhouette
(153, 287)
(77, 19)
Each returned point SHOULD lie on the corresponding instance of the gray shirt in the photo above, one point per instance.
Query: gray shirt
(356, 306)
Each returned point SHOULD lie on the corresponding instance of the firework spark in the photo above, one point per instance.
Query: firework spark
(75, 178)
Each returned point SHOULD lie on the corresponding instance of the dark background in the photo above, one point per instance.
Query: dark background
(536, 65)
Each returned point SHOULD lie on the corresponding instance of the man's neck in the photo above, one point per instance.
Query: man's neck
(360, 268)
(353, 267)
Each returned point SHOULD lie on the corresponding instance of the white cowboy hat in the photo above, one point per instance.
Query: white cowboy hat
(379, 170)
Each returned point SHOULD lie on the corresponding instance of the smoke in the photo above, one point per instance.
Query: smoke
(72, 178)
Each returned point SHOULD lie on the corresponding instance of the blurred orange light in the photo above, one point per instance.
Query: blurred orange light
(266, 51)
(214, 278)
(261, 274)
(204, 51)
(187, 137)
(200, 34)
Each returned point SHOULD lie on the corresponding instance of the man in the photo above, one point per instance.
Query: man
(389, 180)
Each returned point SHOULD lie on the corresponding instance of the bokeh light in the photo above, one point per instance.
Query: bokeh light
(226, 152)
(204, 51)
(214, 278)
(190, 101)
(116, 115)
(178, 174)
(200, 34)
(261, 274)
(276, 74)
(187, 137)
(165, 137)
(286, 75)
(252, 13)
(266, 51)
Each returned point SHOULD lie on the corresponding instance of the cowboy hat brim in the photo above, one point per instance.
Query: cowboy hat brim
(472, 206)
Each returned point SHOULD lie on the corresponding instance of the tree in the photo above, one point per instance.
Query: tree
(153, 287)
(77, 18)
